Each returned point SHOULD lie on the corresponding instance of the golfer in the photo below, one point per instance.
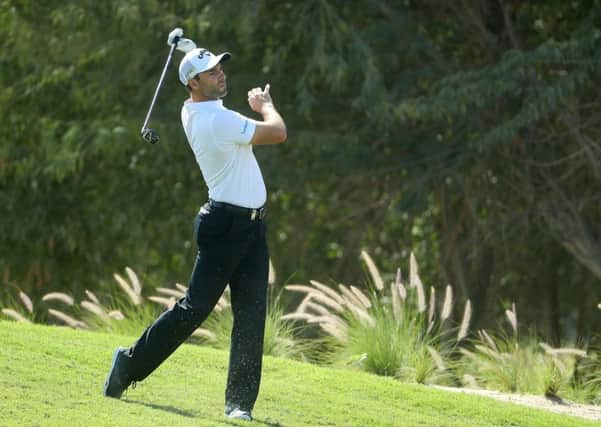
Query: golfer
(229, 231)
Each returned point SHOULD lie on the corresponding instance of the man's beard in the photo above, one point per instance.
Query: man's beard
(213, 91)
(217, 93)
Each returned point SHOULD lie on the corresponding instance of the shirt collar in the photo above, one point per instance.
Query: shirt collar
(204, 105)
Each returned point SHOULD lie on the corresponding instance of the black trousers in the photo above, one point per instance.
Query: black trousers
(232, 249)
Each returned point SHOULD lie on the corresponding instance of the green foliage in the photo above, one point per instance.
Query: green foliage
(136, 318)
(279, 338)
(464, 132)
(403, 347)
(126, 312)
(220, 324)
(385, 349)
(502, 363)
(282, 338)
(391, 332)
(394, 332)
(586, 385)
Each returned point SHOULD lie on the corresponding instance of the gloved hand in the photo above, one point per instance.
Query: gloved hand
(175, 36)
(183, 45)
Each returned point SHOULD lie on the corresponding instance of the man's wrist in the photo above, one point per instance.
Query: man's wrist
(267, 106)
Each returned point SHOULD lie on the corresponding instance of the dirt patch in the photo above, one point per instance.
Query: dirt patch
(591, 412)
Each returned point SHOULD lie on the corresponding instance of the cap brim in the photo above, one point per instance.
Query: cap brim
(218, 59)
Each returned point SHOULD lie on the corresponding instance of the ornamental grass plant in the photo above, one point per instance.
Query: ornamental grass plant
(504, 362)
(586, 383)
(387, 330)
(399, 330)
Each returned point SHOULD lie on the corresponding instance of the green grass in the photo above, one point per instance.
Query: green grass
(53, 376)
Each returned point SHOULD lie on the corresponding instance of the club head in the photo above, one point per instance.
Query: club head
(150, 135)
(185, 45)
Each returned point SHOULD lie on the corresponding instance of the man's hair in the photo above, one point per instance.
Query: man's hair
(196, 77)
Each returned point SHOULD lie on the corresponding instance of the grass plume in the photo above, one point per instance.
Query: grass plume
(26, 301)
(465, 322)
(373, 271)
(15, 315)
(447, 304)
(66, 319)
(133, 291)
(59, 296)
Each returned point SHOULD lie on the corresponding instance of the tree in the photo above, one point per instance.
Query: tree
(464, 131)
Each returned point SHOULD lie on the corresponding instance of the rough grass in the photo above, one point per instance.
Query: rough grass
(53, 376)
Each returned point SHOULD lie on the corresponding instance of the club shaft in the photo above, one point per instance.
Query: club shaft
(156, 92)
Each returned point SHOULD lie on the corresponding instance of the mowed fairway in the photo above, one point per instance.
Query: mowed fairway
(53, 376)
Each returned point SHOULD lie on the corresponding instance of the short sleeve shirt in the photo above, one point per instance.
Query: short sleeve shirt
(220, 139)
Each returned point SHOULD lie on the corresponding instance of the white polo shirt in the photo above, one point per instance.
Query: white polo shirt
(220, 139)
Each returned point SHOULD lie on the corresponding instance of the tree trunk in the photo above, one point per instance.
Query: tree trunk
(553, 314)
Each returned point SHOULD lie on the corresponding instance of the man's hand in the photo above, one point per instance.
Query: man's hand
(272, 130)
(174, 36)
(259, 98)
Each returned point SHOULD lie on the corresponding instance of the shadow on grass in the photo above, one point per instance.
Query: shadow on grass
(267, 423)
(166, 408)
(555, 399)
(190, 414)
(257, 421)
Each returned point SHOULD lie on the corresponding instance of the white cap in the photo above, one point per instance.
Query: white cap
(198, 60)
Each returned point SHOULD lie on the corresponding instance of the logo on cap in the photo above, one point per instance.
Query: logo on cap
(203, 52)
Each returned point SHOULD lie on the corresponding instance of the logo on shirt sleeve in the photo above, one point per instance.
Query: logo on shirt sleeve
(245, 126)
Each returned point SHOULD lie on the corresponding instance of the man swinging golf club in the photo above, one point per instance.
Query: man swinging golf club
(229, 231)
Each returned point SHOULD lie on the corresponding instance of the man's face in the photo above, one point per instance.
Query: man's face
(211, 83)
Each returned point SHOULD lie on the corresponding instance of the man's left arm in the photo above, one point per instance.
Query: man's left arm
(272, 130)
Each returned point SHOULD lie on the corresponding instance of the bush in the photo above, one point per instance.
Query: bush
(391, 332)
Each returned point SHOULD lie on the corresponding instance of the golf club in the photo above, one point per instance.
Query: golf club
(150, 135)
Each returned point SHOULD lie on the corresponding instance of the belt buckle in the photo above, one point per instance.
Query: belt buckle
(261, 212)
(253, 215)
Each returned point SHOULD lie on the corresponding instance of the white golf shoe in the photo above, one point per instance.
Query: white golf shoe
(238, 414)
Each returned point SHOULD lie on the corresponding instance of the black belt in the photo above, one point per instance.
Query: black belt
(250, 213)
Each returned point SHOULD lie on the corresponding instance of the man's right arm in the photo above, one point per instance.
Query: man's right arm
(272, 130)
